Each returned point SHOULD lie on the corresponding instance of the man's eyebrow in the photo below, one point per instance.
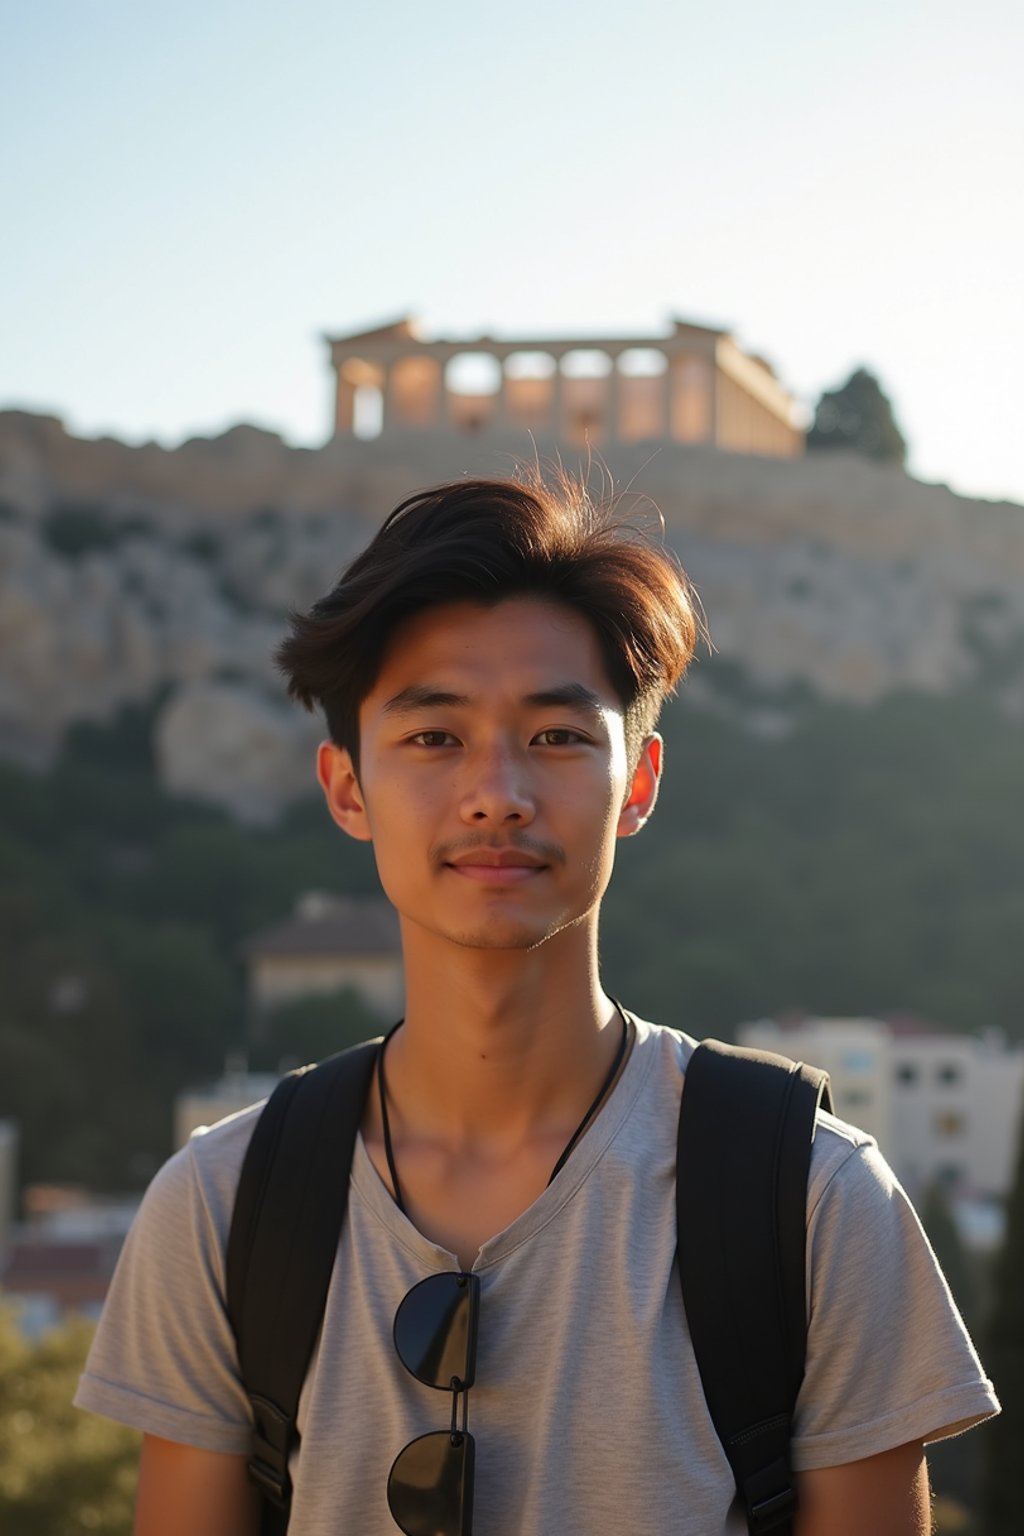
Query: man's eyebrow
(423, 696)
(419, 696)
(567, 695)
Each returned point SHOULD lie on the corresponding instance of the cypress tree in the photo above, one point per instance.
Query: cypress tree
(937, 1220)
(1005, 1360)
(859, 416)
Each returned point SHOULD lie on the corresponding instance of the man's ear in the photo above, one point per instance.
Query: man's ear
(341, 790)
(643, 791)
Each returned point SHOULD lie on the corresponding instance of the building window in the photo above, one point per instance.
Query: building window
(855, 1098)
(948, 1073)
(857, 1061)
(948, 1122)
(906, 1074)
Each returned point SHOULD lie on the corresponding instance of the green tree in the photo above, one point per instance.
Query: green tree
(937, 1220)
(311, 1028)
(62, 1472)
(858, 415)
(869, 861)
(955, 1464)
(1005, 1359)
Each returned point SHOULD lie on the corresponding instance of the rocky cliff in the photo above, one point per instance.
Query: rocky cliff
(134, 574)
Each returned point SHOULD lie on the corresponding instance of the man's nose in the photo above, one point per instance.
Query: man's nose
(497, 789)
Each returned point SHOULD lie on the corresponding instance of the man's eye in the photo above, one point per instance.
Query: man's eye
(432, 738)
(559, 736)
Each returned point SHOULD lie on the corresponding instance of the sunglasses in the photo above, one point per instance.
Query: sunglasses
(430, 1485)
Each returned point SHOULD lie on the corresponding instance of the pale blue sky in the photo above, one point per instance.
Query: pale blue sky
(192, 194)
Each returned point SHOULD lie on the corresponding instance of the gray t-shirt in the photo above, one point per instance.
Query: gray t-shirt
(587, 1411)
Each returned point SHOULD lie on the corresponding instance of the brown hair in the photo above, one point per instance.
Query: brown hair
(484, 541)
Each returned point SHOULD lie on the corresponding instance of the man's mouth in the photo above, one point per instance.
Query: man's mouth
(496, 866)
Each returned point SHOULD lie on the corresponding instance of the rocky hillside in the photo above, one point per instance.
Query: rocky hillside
(134, 575)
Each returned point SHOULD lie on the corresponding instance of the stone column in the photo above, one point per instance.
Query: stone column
(711, 385)
(344, 409)
(501, 421)
(672, 390)
(666, 395)
(557, 398)
(440, 391)
(447, 400)
(386, 412)
(613, 401)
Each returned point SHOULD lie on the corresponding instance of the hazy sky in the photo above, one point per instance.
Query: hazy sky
(191, 194)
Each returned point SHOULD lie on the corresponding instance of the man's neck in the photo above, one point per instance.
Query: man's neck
(500, 1045)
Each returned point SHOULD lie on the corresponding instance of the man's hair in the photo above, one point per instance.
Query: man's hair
(483, 541)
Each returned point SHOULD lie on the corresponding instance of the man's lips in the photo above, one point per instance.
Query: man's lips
(496, 866)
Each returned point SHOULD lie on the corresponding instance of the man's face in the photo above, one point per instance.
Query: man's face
(493, 774)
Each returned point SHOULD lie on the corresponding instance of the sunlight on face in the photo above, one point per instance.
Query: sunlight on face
(493, 772)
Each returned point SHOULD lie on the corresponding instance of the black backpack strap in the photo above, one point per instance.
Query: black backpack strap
(289, 1209)
(746, 1124)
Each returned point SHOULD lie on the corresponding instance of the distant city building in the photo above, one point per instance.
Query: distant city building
(235, 1091)
(695, 385)
(46, 1278)
(330, 942)
(60, 1259)
(944, 1108)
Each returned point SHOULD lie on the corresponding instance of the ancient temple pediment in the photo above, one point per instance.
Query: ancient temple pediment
(691, 328)
(402, 329)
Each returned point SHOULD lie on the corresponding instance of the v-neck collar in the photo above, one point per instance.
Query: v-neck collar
(602, 1130)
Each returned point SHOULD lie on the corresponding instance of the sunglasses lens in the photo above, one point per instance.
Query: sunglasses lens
(435, 1330)
(430, 1486)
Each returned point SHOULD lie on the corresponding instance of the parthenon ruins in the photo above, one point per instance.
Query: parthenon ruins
(695, 385)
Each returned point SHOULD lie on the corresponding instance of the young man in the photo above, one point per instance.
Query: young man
(491, 669)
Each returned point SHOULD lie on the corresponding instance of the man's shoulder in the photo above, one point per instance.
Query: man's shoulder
(218, 1150)
(674, 1044)
(202, 1176)
(846, 1164)
(841, 1153)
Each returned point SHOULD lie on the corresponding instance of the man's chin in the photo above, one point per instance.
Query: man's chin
(502, 936)
(514, 932)
(506, 932)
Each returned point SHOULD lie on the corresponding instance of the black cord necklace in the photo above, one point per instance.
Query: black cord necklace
(573, 1139)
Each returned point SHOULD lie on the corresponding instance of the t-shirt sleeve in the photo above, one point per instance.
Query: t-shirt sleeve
(163, 1357)
(888, 1357)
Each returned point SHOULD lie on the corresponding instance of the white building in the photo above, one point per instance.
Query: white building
(235, 1091)
(330, 942)
(943, 1108)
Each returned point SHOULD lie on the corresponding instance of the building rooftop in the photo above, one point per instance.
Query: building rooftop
(327, 924)
(405, 330)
